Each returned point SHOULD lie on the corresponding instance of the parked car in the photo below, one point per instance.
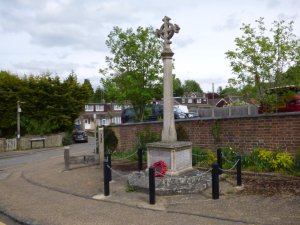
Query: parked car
(179, 114)
(152, 113)
(80, 136)
(192, 114)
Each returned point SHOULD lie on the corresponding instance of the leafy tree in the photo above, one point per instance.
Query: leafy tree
(228, 90)
(90, 91)
(292, 75)
(133, 70)
(261, 59)
(191, 86)
(49, 104)
(10, 93)
(99, 95)
(178, 89)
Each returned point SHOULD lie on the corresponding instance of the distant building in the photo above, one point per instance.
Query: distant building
(193, 99)
(100, 114)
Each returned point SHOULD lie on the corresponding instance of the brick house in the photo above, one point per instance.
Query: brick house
(100, 114)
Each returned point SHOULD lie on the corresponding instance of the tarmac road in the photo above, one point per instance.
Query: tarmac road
(15, 158)
(4, 220)
(39, 191)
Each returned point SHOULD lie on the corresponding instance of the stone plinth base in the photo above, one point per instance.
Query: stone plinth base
(191, 182)
(177, 156)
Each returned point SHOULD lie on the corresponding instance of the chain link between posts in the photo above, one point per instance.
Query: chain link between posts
(228, 170)
(201, 155)
(127, 157)
(227, 160)
(116, 172)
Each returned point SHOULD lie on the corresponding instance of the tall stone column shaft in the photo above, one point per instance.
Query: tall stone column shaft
(169, 131)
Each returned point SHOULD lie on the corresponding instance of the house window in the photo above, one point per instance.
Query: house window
(117, 120)
(89, 108)
(199, 100)
(190, 100)
(117, 107)
(104, 122)
(99, 107)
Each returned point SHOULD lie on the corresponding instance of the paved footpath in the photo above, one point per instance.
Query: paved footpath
(43, 193)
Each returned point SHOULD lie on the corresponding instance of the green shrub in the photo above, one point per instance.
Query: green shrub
(202, 157)
(67, 139)
(263, 160)
(198, 155)
(297, 161)
(110, 140)
(282, 161)
(258, 160)
(126, 155)
(229, 157)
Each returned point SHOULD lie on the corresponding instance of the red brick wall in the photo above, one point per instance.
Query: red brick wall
(277, 131)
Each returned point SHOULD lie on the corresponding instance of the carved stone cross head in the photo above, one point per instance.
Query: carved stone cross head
(167, 30)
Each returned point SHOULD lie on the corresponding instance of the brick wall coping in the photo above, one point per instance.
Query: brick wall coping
(213, 118)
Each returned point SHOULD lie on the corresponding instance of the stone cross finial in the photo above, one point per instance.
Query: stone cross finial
(167, 30)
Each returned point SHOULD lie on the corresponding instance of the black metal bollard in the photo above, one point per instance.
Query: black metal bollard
(106, 177)
(108, 158)
(140, 159)
(215, 181)
(151, 186)
(239, 171)
(219, 159)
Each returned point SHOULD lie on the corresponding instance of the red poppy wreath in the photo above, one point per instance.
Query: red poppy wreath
(160, 168)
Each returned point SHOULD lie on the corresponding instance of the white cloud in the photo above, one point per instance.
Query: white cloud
(61, 35)
(231, 22)
(39, 66)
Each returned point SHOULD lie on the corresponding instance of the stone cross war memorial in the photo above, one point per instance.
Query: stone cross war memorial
(177, 155)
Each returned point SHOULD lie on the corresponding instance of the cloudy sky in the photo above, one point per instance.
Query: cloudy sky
(59, 36)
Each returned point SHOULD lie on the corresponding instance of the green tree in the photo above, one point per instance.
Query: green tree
(178, 90)
(292, 75)
(99, 95)
(133, 70)
(191, 86)
(261, 58)
(90, 91)
(228, 91)
(49, 104)
(10, 93)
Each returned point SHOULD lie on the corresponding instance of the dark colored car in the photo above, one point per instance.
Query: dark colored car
(80, 136)
(152, 113)
(179, 114)
(192, 115)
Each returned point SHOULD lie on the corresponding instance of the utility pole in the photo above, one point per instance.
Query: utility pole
(213, 93)
(19, 110)
(95, 131)
(18, 124)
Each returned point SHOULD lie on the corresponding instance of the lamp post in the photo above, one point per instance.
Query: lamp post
(19, 110)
